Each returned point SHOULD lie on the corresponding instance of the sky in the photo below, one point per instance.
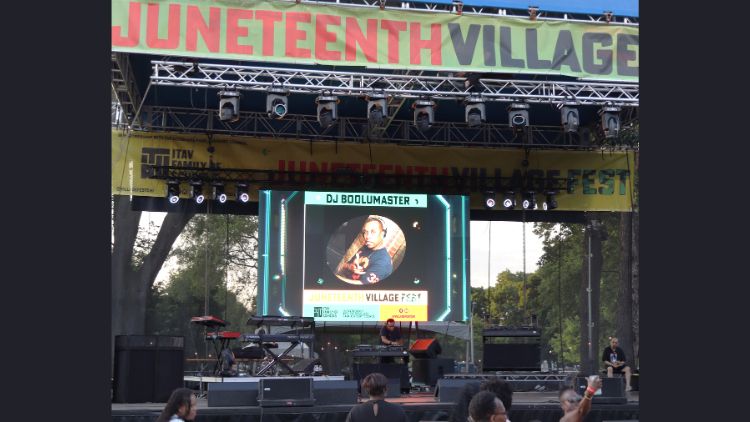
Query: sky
(504, 252)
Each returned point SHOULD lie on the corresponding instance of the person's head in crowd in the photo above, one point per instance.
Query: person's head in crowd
(182, 403)
(376, 385)
(502, 390)
(569, 399)
(461, 409)
(486, 407)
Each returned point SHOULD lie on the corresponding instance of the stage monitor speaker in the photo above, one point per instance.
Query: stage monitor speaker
(280, 392)
(448, 390)
(512, 357)
(397, 371)
(227, 394)
(335, 392)
(429, 371)
(425, 348)
(613, 390)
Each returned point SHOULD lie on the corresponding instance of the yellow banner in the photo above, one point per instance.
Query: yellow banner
(593, 180)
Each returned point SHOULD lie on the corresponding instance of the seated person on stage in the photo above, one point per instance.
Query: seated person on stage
(486, 407)
(228, 367)
(376, 409)
(614, 360)
(574, 406)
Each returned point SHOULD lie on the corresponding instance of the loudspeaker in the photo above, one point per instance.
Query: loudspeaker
(222, 394)
(425, 348)
(397, 371)
(613, 390)
(448, 390)
(429, 371)
(276, 392)
(147, 368)
(335, 392)
(170, 368)
(306, 366)
(512, 357)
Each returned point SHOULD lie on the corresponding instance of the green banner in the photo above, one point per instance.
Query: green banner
(396, 200)
(284, 31)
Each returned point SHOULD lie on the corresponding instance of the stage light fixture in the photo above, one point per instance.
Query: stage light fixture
(489, 199)
(277, 103)
(424, 114)
(518, 116)
(327, 110)
(219, 194)
(610, 121)
(377, 109)
(242, 194)
(570, 118)
(550, 203)
(529, 200)
(475, 111)
(173, 191)
(197, 192)
(229, 106)
(509, 200)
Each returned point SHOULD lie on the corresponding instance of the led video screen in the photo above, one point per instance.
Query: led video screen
(363, 256)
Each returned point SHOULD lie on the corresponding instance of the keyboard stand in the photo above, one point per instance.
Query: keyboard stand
(277, 359)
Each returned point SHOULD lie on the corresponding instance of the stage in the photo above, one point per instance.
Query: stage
(424, 406)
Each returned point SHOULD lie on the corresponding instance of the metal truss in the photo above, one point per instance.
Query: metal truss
(350, 129)
(510, 376)
(124, 87)
(459, 8)
(313, 81)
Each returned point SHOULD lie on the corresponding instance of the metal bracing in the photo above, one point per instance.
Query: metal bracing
(403, 132)
(124, 86)
(312, 81)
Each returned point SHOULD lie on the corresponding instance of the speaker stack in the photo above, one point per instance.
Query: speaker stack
(427, 368)
(147, 368)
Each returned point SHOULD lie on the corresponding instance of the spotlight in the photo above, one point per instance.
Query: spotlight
(424, 113)
(475, 113)
(610, 121)
(570, 118)
(327, 110)
(377, 109)
(173, 191)
(518, 116)
(489, 200)
(219, 194)
(197, 192)
(242, 195)
(529, 200)
(277, 103)
(229, 106)
(550, 202)
(509, 200)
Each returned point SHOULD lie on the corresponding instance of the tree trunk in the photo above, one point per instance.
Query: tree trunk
(624, 315)
(589, 359)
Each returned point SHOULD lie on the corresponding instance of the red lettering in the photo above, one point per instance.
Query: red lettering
(393, 28)
(323, 37)
(209, 32)
(385, 168)
(235, 31)
(314, 167)
(417, 43)
(134, 28)
(282, 165)
(354, 37)
(367, 167)
(294, 35)
(173, 27)
(269, 19)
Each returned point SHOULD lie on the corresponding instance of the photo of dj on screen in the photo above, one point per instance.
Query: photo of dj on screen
(370, 258)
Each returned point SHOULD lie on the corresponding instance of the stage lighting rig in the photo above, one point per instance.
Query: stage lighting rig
(570, 117)
(509, 200)
(327, 109)
(377, 109)
(229, 105)
(424, 113)
(518, 116)
(475, 111)
(550, 203)
(489, 199)
(277, 103)
(196, 191)
(219, 194)
(610, 121)
(173, 191)
(242, 194)
(529, 200)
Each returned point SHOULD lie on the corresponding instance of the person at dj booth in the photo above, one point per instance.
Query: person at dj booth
(372, 262)
(614, 361)
(390, 335)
